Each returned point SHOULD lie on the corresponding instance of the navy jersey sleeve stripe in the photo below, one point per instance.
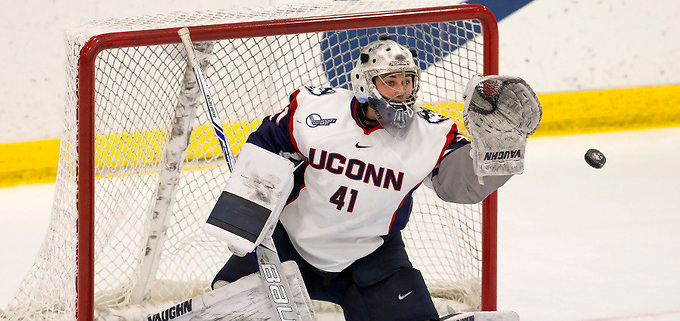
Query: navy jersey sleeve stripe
(454, 140)
(292, 108)
(272, 137)
(275, 133)
(403, 212)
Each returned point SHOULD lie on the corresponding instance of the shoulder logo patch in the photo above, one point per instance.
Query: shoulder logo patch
(315, 120)
(430, 116)
(319, 91)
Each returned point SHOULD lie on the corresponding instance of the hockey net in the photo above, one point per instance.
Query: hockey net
(140, 169)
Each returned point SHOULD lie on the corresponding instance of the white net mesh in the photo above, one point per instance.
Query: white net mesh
(138, 91)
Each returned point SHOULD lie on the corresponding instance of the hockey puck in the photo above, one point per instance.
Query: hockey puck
(595, 158)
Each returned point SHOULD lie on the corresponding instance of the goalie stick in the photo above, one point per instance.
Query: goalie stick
(268, 262)
(210, 104)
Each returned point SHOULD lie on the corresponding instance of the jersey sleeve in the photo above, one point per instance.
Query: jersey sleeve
(454, 141)
(275, 135)
(454, 179)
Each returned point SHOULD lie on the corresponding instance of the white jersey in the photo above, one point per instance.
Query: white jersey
(357, 184)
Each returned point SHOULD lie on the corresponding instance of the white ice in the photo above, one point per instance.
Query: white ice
(575, 243)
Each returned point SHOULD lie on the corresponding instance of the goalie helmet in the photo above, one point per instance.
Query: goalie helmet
(385, 57)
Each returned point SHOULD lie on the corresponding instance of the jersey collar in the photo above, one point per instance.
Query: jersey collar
(354, 110)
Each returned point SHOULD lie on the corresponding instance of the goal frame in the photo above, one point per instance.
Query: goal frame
(86, 116)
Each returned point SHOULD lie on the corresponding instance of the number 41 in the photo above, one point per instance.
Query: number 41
(339, 196)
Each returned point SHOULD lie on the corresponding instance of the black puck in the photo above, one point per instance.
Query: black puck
(595, 158)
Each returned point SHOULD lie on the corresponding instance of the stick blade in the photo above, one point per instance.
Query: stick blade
(482, 316)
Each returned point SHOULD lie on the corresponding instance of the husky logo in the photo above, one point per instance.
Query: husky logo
(319, 91)
(315, 120)
(431, 116)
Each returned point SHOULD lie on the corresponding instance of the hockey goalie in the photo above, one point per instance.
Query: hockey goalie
(355, 157)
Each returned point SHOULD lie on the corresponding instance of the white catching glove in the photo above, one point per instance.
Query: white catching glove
(500, 113)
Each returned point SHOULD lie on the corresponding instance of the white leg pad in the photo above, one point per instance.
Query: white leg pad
(245, 299)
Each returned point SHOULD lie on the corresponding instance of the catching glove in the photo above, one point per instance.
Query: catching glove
(500, 113)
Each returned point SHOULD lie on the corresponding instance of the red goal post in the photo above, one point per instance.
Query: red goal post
(86, 92)
(96, 160)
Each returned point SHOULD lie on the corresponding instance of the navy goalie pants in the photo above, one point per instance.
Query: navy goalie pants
(381, 286)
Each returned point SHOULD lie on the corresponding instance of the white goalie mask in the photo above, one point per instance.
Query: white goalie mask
(391, 64)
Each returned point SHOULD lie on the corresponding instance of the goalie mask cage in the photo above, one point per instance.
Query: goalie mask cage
(140, 169)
